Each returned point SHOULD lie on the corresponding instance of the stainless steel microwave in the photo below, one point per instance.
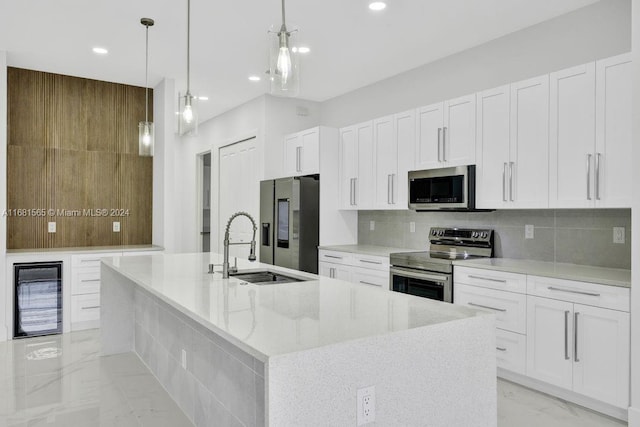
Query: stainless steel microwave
(443, 189)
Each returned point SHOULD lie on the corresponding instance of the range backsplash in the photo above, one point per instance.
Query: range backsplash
(577, 236)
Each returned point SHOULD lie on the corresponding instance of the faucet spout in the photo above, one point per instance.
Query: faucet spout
(252, 251)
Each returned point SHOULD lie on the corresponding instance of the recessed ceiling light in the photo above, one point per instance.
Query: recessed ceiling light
(301, 49)
(254, 78)
(377, 5)
(100, 50)
(203, 98)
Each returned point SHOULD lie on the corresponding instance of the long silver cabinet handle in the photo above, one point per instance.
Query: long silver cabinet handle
(566, 335)
(393, 191)
(352, 198)
(575, 336)
(444, 144)
(504, 185)
(588, 176)
(501, 349)
(439, 142)
(298, 150)
(511, 164)
(368, 283)
(331, 276)
(486, 306)
(89, 280)
(591, 294)
(355, 191)
(487, 278)
(90, 260)
(332, 256)
(597, 173)
(389, 201)
(91, 307)
(370, 262)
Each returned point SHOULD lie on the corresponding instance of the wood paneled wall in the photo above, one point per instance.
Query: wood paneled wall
(73, 149)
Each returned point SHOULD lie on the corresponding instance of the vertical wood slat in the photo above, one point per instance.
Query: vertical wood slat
(73, 145)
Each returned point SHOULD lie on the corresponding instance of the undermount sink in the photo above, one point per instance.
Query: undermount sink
(264, 277)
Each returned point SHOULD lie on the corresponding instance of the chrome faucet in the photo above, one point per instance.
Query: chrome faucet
(252, 252)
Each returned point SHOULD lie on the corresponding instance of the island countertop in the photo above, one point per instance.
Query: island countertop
(268, 320)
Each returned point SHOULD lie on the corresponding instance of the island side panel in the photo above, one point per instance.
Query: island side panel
(441, 375)
(116, 312)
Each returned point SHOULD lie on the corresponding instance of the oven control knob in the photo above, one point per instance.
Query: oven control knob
(474, 234)
(441, 233)
(433, 232)
(484, 235)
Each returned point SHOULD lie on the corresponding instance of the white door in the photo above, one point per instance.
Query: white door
(528, 170)
(601, 354)
(459, 132)
(310, 151)
(405, 136)
(348, 167)
(386, 162)
(549, 333)
(613, 132)
(366, 175)
(492, 150)
(429, 125)
(572, 137)
(291, 150)
(239, 191)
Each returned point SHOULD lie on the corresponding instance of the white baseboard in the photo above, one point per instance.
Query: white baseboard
(634, 417)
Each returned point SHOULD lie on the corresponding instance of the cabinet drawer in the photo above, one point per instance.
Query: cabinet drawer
(85, 308)
(511, 351)
(90, 260)
(335, 257)
(501, 280)
(366, 276)
(85, 280)
(371, 262)
(510, 308)
(612, 297)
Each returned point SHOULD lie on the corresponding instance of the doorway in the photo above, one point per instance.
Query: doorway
(204, 201)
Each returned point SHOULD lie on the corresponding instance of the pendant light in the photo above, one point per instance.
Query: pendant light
(284, 73)
(188, 124)
(145, 129)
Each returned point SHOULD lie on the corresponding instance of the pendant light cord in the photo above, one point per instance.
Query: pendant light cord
(146, 80)
(189, 46)
(283, 13)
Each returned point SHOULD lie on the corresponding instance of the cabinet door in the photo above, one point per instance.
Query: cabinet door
(601, 354)
(572, 137)
(348, 167)
(613, 132)
(429, 125)
(334, 271)
(549, 333)
(459, 132)
(405, 133)
(386, 162)
(369, 277)
(310, 152)
(291, 149)
(528, 169)
(492, 150)
(365, 191)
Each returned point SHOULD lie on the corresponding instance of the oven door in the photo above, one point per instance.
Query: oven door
(421, 283)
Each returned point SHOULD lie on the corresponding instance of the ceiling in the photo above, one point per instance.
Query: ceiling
(351, 46)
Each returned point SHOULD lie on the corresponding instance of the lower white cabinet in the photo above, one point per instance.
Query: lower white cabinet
(511, 351)
(334, 271)
(372, 270)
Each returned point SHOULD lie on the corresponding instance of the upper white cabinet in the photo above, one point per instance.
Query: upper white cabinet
(590, 136)
(446, 134)
(301, 153)
(357, 166)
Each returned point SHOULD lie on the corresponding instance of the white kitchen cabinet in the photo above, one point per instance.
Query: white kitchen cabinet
(386, 162)
(360, 268)
(613, 132)
(509, 307)
(357, 166)
(572, 137)
(405, 135)
(334, 271)
(301, 153)
(513, 149)
(446, 134)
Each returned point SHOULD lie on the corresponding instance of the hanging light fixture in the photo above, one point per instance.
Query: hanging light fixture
(284, 72)
(188, 124)
(145, 129)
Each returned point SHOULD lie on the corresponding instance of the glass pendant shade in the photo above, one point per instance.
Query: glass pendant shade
(188, 117)
(145, 139)
(284, 64)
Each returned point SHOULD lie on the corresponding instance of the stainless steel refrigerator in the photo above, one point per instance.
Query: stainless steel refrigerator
(289, 222)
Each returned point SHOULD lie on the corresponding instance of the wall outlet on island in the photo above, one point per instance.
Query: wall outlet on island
(618, 235)
(372, 225)
(366, 398)
(412, 227)
(183, 360)
(116, 226)
(528, 231)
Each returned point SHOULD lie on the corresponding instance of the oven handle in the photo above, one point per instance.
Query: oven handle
(405, 272)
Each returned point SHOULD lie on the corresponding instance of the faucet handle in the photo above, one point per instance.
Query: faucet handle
(234, 269)
(212, 266)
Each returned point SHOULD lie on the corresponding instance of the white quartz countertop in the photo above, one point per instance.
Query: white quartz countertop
(583, 273)
(269, 320)
(92, 249)
(365, 249)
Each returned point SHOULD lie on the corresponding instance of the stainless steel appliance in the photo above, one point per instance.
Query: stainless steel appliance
(289, 222)
(443, 189)
(429, 274)
(38, 299)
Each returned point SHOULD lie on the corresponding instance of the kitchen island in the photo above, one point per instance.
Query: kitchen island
(294, 354)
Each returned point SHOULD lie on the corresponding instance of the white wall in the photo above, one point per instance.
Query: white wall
(4, 333)
(593, 32)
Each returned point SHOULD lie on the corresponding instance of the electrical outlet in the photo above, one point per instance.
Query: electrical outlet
(618, 235)
(116, 226)
(52, 227)
(412, 227)
(528, 231)
(366, 405)
(184, 359)
(372, 225)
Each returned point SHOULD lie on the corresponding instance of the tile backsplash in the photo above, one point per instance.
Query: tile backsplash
(576, 236)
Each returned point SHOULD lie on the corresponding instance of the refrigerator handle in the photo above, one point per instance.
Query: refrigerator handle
(266, 234)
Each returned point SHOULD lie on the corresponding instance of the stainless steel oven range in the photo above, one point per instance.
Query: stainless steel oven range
(429, 274)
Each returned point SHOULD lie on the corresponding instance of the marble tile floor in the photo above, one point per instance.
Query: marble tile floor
(61, 381)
